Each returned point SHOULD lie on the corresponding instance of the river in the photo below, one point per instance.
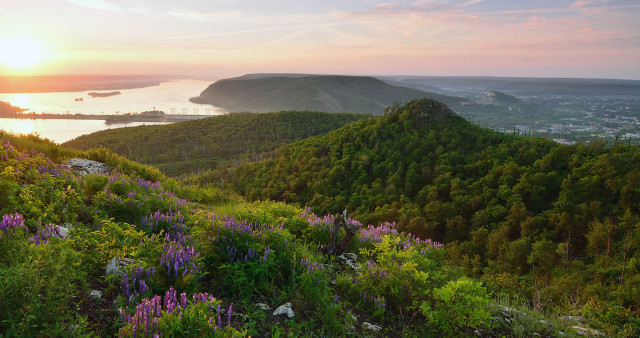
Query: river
(170, 96)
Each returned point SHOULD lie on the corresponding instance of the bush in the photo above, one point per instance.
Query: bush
(459, 304)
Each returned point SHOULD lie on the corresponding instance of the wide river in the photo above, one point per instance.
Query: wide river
(170, 97)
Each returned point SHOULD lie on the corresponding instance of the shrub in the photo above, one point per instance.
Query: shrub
(458, 304)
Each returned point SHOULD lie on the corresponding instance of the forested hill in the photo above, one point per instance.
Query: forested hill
(315, 92)
(501, 202)
(196, 146)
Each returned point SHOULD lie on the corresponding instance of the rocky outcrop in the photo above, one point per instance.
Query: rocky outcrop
(587, 332)
(82, 167)
(95, 294)
(349, 259)
(116, 266)
(284, 309)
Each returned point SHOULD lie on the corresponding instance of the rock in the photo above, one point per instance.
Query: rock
(371, 327)
(349, 259)
(115, 266)
(508, 309)
(63, 231)
(350, 321)
(284, 309)
(95, 294)
(263, 307)
(82, 166)
(587, 332)
(578, 319)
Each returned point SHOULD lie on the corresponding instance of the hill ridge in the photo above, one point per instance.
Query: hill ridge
(332, 93)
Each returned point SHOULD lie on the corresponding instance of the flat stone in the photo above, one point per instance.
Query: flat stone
(284, 309)
(263, 307)
(82, 166)
(64, 231)
(587, 332)
(115, 266)
(372, 327)
(573, 318)
(95, 294)
(508, 309)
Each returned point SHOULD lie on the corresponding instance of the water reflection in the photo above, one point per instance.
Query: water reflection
(61, 131)
(20, 100)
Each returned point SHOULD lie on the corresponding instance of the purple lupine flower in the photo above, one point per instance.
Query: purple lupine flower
(143, 287)
(183, 300)
(10, 223)
(229, 314)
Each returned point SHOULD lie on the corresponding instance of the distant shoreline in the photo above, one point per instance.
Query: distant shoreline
(150, 116)
(75, 83)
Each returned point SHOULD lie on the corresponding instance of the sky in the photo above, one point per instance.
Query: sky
(222, 38)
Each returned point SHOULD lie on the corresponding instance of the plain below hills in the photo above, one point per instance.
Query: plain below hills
(330, 93)
(205, 144)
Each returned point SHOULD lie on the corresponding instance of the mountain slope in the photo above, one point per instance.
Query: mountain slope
(318, 92)
(199, 145)
(503, 204)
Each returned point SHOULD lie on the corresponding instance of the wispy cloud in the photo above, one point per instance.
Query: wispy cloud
(580, 3)
(206, 16)
(96, 4)
(226, 33)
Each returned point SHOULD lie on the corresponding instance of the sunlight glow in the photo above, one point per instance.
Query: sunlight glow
(21, 53)
(20, 126)
(21, 100)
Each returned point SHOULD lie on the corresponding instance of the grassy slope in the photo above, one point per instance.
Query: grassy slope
(196, 146)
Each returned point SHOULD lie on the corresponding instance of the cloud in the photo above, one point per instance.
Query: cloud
(96, 4)
(581, 3)
(205, 16)
(384, 7)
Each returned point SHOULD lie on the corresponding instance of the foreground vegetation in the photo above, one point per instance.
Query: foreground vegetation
(533, 232)
(196, 268)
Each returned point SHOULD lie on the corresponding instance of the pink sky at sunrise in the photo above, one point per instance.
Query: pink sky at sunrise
(598, 38)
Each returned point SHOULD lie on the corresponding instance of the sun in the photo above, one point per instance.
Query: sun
(21, 53)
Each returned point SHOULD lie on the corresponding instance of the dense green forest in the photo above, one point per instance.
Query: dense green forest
(127, 251)
(331, 93)
(203, 145)
(557, 225)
